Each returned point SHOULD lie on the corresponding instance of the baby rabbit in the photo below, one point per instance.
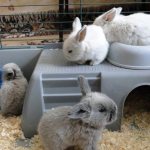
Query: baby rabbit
(13, 90)
(133, 29)
(85, 44)
(80, 126)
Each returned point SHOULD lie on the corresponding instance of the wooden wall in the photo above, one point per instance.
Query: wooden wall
(52, 5)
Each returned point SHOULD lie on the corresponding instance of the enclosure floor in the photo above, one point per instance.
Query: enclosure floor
(135, 135)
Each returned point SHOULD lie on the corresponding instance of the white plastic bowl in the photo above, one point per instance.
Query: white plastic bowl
(129, 56)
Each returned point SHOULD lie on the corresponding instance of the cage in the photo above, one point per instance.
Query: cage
(38, 23)
(40, 26)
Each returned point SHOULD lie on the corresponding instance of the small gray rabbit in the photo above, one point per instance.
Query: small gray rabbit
(80, 126)
(13, 90)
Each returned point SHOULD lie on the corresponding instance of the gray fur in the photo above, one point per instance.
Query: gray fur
(79, 126)
(13, 90)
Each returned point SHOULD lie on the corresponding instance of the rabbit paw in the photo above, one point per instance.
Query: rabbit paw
(80, 62)
(93, 63)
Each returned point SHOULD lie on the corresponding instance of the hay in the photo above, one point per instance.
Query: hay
(135, 135)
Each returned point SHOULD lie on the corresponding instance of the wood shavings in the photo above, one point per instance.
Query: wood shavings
(9, 131)
(134, 135)
(130, 138)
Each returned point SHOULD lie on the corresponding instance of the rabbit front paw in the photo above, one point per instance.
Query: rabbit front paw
(93, 63)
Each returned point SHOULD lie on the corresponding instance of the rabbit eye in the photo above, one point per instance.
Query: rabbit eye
(10, 74)
(81, 111)
(103, 109)
(70, 51)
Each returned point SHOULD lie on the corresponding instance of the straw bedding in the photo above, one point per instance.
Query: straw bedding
(135, 133)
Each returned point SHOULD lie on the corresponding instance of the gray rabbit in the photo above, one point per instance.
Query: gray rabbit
(13, 90)
(80, 126)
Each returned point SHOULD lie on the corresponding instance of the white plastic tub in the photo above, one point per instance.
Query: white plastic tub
(129, 56)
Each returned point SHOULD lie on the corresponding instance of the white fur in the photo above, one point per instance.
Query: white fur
(88, 43)
(13, 90)
(133, 29)
(79, 126)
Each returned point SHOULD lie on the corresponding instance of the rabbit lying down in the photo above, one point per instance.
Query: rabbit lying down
(79, 126)
(133, 29)
(85, 44)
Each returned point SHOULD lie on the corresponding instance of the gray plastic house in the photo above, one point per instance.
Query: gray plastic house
(53, 82)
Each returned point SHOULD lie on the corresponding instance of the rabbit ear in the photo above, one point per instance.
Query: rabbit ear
(110, 15)
(76, 24)
(119, 9)
(81, 34)
(84, 85)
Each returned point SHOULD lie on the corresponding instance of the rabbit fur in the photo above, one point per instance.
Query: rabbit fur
(79, 126)
(85, 44)
(133, 29)
(13, 90)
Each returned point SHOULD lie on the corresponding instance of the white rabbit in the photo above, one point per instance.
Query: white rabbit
(85, 44)
(13, 90)
(133, 29)
(79, 126)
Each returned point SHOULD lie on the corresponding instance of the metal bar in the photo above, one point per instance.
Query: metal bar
(81, 10)
(1, 46)
(143, 4)
(66, 6)
(61, 10)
